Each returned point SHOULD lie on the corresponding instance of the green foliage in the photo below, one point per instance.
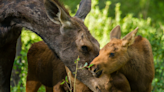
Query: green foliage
(62, 82)
(100, 24)
(139, 8)
(86, 64)
(66, 80)
(90, 65)
(78, 59)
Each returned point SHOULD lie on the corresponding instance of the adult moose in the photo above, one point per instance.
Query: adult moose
(45, 69)
(66, 36)
(132, 56)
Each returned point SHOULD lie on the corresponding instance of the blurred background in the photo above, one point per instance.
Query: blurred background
(148, 15)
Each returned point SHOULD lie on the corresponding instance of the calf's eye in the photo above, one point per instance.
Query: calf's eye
(111, 55)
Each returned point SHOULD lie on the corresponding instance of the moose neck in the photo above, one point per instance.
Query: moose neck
(131, 58)
(31, 15)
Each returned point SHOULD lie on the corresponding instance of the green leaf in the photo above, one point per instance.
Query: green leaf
(62, 83)
(75, 61)
(90, 65)
(78, 59)
(66, 79)
(85, 64)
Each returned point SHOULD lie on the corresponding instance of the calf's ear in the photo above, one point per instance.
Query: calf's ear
(56, 13)
(84, 9)
(115, 33)
(129, 38)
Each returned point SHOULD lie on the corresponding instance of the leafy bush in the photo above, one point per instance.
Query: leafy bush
(100, 26)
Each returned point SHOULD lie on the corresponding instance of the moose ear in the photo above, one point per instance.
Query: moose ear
(115, 33)
(84, 9)
(56, 13)
(129, 38)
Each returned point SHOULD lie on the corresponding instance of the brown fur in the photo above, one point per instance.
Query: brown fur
(44, 68)
(119, 83)
(115, 82)
(63, 34)
(132, 57)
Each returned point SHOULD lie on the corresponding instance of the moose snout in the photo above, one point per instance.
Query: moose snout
(95, 70)
(98, 73)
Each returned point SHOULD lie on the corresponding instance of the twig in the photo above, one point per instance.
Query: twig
(75, 74)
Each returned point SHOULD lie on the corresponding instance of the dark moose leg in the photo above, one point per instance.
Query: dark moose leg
(8, 40)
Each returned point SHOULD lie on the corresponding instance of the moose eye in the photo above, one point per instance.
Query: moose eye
(84, 48)
(111, 55)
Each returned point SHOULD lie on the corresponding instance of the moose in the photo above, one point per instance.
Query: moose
(45, 69)
(132, 56)
(66, 36)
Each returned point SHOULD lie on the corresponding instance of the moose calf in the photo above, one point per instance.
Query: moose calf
(45, 68)
(132, 56)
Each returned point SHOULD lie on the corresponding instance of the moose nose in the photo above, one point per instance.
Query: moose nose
(98, 73)
(95, 70)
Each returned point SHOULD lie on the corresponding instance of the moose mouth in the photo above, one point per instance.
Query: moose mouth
(97, 73)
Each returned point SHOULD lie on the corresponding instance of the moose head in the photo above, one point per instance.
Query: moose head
(74, 39)
(113, 55)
